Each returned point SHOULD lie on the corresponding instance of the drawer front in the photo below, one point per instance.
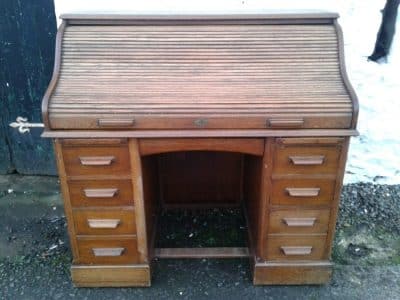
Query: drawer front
(100, 193)
(108, 251)
(302, 191)
(297, 247)
(96, 160)
(299, 221)
(110, 221)
(306, 159)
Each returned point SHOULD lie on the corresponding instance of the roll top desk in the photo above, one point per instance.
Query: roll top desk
(150, 111)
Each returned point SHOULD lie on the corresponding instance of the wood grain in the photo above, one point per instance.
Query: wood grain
(123, 197)
(175, 110)
(140, 206)
(344, 75)
(111, 276)
(152, 193)
(172, 76)
(310, 141)
(120, 221)
(253, 199)
(67, 200)
(309, 247)
(94, 142)
(187, 120)
(278, 221)
(336, 196)
(280, 196)
(96, 160)
(129, 254)
(246, 146)
(203, 133)
(303, 15)
(288, 159)
(55, 76)
(202, 178)
(280, 273)
(215, 252)
(265, 190)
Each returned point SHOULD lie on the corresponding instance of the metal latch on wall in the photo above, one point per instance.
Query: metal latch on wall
(23, 125)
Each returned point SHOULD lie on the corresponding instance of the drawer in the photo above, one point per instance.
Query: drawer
(296, 247)
(110, 221)
(96, 160)
(306, 159)
(299, 221)
(302, 191)
(118, 250)
(100, 192)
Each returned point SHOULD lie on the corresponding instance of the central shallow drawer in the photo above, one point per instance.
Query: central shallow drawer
(299, 221)
(295, 247)
(110, 221)
(302, 191)
(96, 160)
(100, 192)
(118, 250)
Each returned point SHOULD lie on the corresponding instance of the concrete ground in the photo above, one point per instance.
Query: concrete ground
(35, 255)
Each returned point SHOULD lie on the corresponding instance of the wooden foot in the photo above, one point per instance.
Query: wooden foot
(282, 273)
(111, 276)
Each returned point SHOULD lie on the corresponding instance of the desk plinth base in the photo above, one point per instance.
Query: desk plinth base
(111, 276)
(295, 273)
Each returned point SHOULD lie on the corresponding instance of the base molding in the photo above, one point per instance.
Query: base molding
(284, 273)
(111, 276)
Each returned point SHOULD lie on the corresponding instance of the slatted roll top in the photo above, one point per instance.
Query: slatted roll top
(218, 72)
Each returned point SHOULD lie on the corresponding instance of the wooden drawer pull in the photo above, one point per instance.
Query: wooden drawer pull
(108, 251)
(307, 160)
(96, 160)
(104, 223)
(299, 222)
(289, 250)
(285, 123)
(100, 193)
(115, 122)
(303, 192)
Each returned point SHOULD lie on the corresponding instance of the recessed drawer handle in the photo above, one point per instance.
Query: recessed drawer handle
(298, 122)
(100, 193)
(108, 251)
(299, 222)
(115, 122)
(307, 160)
(289, 250)
(303, 192)
(96, 160)
(104, 223)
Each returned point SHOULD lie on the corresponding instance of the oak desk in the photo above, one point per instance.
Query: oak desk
(155, 111)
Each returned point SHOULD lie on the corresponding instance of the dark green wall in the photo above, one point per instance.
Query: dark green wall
(27, 37)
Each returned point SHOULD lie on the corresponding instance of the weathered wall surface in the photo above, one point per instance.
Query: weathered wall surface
(27, 41)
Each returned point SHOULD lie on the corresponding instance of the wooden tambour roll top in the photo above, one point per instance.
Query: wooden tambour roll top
(248, 72)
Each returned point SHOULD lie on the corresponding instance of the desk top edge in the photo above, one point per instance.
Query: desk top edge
(254, 133)
(202, 17)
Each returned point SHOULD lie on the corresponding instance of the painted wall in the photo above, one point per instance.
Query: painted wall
(27, 37)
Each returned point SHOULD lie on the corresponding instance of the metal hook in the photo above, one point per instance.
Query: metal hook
(23, 125)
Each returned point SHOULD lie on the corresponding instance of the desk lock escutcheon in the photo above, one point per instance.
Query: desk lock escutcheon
(200, 123)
